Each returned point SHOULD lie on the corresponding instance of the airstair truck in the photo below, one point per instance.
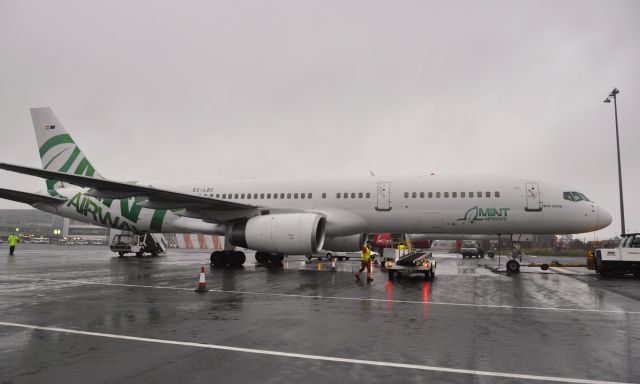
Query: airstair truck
(620, 260)
(153, 243)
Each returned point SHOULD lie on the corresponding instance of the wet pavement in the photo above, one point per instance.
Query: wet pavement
(84, 315)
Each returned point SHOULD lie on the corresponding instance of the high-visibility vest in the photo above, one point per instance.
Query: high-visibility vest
(366, 253)
(12, 240)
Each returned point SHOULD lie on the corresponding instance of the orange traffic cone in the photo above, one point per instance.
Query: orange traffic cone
(333, 264)
(202, 284)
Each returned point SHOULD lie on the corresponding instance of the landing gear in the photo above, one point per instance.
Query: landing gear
(227, 258)
(513, 266)
(269, 258)
(120, 254)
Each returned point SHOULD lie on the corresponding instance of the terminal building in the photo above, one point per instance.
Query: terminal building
(35, 223)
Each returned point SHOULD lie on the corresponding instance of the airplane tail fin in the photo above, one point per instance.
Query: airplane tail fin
(58, 151)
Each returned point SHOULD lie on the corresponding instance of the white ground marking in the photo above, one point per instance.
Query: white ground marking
(314, 357)
(496, 306)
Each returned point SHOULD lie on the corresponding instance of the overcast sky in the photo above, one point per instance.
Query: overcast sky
(201, 90)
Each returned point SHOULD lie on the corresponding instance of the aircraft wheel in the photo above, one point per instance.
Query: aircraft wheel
(513, 266)
(309, 257)
(120, 254)
(276, 259)
(235, 258)
(262, 257)
(329, 256)
(217, 258)
(140, 254)
(427, 275)
(390, 274)
(490, 254)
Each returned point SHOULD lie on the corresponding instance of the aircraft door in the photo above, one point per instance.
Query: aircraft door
(533, 197)
(384, 196)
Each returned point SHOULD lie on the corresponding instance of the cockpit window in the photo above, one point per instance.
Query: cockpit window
(575, 196)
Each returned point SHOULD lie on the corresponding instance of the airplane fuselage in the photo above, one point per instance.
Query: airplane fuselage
(420, 204)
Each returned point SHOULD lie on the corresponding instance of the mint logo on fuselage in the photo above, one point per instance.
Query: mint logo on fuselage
(485, 214)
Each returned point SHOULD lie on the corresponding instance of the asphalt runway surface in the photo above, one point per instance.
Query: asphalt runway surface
(83, 315)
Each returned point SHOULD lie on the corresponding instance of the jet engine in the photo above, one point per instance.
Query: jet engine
(287, 233)
(345, 243)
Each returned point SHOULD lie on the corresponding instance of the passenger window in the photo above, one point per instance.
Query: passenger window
(437, 195)
(262, 195)
(345, 195)
(496, 194)
(470, 195)
(242, 196)
(353, 195)
(462, 195)
(360, 195)
(235, 196)
(430, 195)
(295, 195)
(446, 195)
(268, 195)
(310, 195)
(249, 196)
(282, 195)
(422, 195)
(414, 195)
(224, 195)
(338, 195)
(324, 195)
(255, 195)
(479, 194)
(487, 194)
(406, 195)
(288, 195)
(217, 195)
(303, 195)
(454, 194)
(368, 195)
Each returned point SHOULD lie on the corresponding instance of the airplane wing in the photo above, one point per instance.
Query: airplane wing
(156, 198)
(29, 198)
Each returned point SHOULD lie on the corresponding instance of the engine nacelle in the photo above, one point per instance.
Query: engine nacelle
(345, 243)
(288, 233)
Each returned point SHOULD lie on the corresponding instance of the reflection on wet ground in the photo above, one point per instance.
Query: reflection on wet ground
(555, 324)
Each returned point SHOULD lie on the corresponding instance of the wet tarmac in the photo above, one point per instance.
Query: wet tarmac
(84, 315)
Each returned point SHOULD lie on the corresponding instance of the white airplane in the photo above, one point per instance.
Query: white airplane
(298, 217)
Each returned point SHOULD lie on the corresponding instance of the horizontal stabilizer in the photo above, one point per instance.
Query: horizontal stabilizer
(29, 198)
(107, 188)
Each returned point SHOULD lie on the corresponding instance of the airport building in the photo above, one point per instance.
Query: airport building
(32, 222)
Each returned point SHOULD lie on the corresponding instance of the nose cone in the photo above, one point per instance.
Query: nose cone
(603, 219)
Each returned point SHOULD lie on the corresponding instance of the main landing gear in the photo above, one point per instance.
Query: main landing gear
(228, 258)
(269, 258)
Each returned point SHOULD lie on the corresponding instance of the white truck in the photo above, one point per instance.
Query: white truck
(471, 249)
(621, 260)
(398, 262)
(153, 243)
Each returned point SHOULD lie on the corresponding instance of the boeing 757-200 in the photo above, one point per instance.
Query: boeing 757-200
(278, 217)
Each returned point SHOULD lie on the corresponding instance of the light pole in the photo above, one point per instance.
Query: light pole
(613, 95)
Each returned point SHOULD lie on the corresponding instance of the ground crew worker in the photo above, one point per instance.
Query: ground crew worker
(12, 239)
(401, 247)
(365, 261)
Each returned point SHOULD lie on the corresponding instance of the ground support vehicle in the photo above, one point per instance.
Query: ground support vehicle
(620, 260)
(153, 243)
(469, 250)
(398, 263)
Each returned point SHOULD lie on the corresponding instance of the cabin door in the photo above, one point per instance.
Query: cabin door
(384, 196)
(533, 197)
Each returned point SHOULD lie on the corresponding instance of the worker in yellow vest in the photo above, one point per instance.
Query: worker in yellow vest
(365, 261)
(12, 239)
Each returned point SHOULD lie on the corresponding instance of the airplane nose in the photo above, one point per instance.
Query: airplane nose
(603, 219)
